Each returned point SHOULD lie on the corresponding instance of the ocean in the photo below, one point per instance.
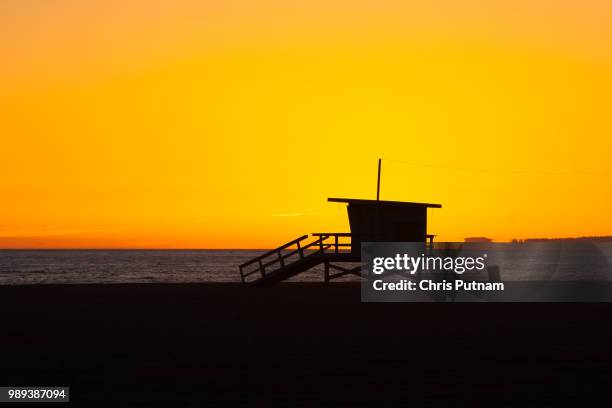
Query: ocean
(19, 267)
(533, 261)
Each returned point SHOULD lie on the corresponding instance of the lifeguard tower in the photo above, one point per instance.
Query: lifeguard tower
(369, 220)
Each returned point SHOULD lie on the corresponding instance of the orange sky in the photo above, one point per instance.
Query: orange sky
(227, 124)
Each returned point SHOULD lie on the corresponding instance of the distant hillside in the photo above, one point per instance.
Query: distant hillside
(478, 239)
(605, 238)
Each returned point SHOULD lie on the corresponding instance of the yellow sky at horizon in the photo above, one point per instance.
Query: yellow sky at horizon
(228, 124)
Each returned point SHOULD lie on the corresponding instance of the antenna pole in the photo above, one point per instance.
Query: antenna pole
(378, 182)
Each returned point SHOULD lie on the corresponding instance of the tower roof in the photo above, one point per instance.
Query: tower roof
(382, 202)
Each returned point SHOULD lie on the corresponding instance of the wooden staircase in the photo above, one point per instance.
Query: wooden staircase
(298, 256)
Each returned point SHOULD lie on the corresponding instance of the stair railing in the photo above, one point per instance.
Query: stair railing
(336, 245)
(262, 264)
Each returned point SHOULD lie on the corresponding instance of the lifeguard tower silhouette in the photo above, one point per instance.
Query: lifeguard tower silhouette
(369, 220)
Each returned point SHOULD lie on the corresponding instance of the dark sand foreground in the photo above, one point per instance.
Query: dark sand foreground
(298, 344)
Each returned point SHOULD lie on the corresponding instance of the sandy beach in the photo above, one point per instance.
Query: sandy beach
(297, 344)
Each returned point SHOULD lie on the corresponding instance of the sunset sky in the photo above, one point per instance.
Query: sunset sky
(227, 124)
